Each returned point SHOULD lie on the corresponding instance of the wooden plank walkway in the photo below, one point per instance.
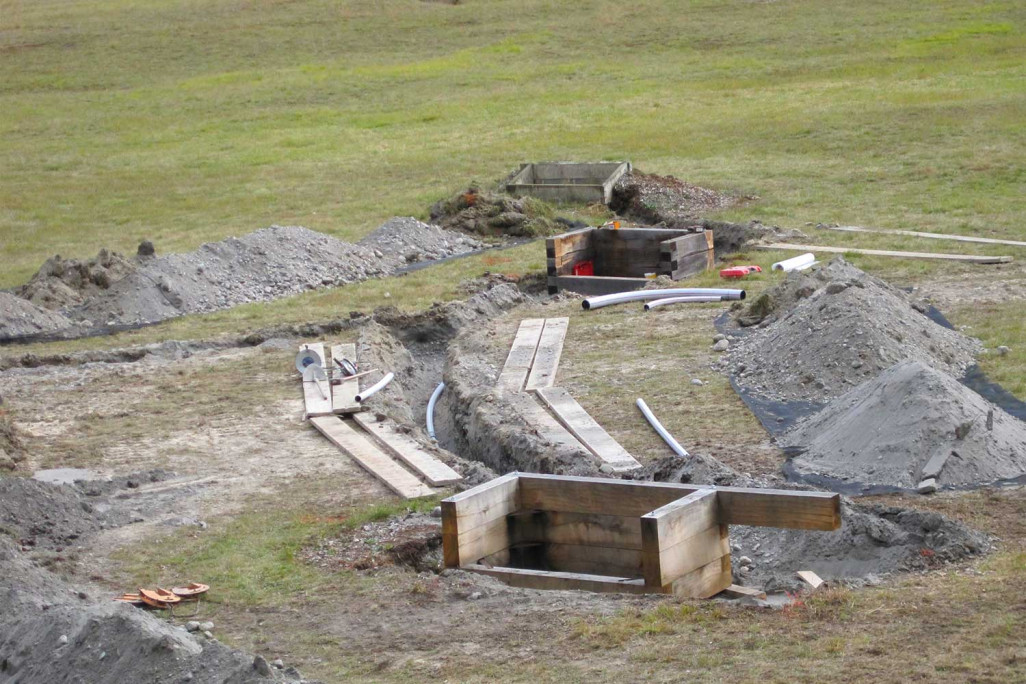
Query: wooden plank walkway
(386, 435)
(317, 394)
(546, 357)
(582, 426)
(521, 355)
(343, 396)
(368, 456)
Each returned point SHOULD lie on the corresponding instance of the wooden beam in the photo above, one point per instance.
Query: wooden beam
(369, 457)
(486, 507)
(704, 582)
(780, 508)
(385, 434)
(567, 581)
(596, 285)
(736, 591)
(582, 426)
(932, 236)
(555, 527)
(317, 393)
(682, 537)
(593, 560)
(343, 396)
(542, 422)
(968, 258)
(546, 357)
(521, 355)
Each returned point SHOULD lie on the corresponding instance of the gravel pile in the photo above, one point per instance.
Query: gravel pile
(910, 424)
(664, 199)
(409, 240)
(823, 334)
(40, 515)
(20, 317)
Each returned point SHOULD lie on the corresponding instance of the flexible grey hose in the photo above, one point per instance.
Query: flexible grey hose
(680, 300)
(375, 388)
(431, 410)
(658, 427)
(638, 295)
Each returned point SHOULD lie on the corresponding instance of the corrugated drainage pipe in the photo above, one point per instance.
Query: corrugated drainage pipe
(375, 388)
(431, 410)
(640, 295)
(680, 300)
(658, 427)
(795, 263)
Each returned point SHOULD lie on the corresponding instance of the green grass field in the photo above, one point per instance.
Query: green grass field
(185, 121)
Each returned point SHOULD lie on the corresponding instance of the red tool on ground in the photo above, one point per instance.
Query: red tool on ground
(735, 272)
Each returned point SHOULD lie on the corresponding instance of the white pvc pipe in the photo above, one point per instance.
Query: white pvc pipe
(375, 388)
(639, 295)
(806, 266)
(431, 410)
(680, 300)
(795, 263)
(658, 427)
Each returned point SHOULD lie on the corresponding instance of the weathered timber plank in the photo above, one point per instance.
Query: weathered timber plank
(582, 426)
(682, 536)
(586, 529)
(546, 358)
(593, 560)
(691, 554)
(547, 427)
(521, 354)
(485, 507)
(780, 508)
(683, 518)
(969, 258)
(596, 285)
(736, 591)
(343, 396)
(317, 393)
(540, 579)
(369, 457)
(387, 436)
(932, 236)
(707, 581)
(694, 264)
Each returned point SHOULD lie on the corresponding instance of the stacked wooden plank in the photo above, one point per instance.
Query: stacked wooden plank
(530, 369)
(378, 445)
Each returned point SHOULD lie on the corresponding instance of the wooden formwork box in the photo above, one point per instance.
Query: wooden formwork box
(621, 258)
(559, 532)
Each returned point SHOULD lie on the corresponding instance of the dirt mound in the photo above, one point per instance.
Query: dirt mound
(40, 515)
(888, 431)
(62, 283)
(12, 447)
(413, 540)
(410, 240)
(495, 215)
(873, 540)
(20, 317)
(266, 264)
(653, 199)
(52, 632)
(833, 330)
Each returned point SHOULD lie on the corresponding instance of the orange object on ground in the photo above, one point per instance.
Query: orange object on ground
(158, 598)
(193, 590)
(585, 268)
(134, 599)
(735, 272)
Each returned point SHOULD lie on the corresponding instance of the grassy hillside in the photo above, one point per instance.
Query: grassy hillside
(185, 121)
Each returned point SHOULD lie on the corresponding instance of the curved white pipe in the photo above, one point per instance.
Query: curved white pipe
(431, 410)
(680, 300)
(658, 427)
(375, 388)
(795, 263)
(638, 295)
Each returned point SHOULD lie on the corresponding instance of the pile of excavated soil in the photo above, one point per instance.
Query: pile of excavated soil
(12, 447)
(496, 215)
(835, 329)
(63, 283)
(266, 264)
(667, 200)
(885, 432)
(406, 238)
(413, 540)
(53, 632)
(19, 317)
(872, 541)
(47, 516)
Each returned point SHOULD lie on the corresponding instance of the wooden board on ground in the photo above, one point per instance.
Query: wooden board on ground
(369, 457)
(317, 393)
(547, 427)
(736, 591)
(542, 579)
(932, 236)
(387, 436)
(521, 355)
(968, 258)
(582, 426)
(546, 357)
(811, 578)
(343, 396)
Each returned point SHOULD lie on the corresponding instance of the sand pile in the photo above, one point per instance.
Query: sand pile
(836, 329)
(910, 424)
(411, 241)
(20, 317)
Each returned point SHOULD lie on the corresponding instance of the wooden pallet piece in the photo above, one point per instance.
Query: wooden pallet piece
(343, 396)
(317, 401)
(521, 355)
(546, 357)
(370, 458)
(582, 426)
(386, 435)
(968, 258)
(932, 236)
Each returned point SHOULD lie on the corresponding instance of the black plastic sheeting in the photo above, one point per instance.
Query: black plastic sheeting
(777, 417)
